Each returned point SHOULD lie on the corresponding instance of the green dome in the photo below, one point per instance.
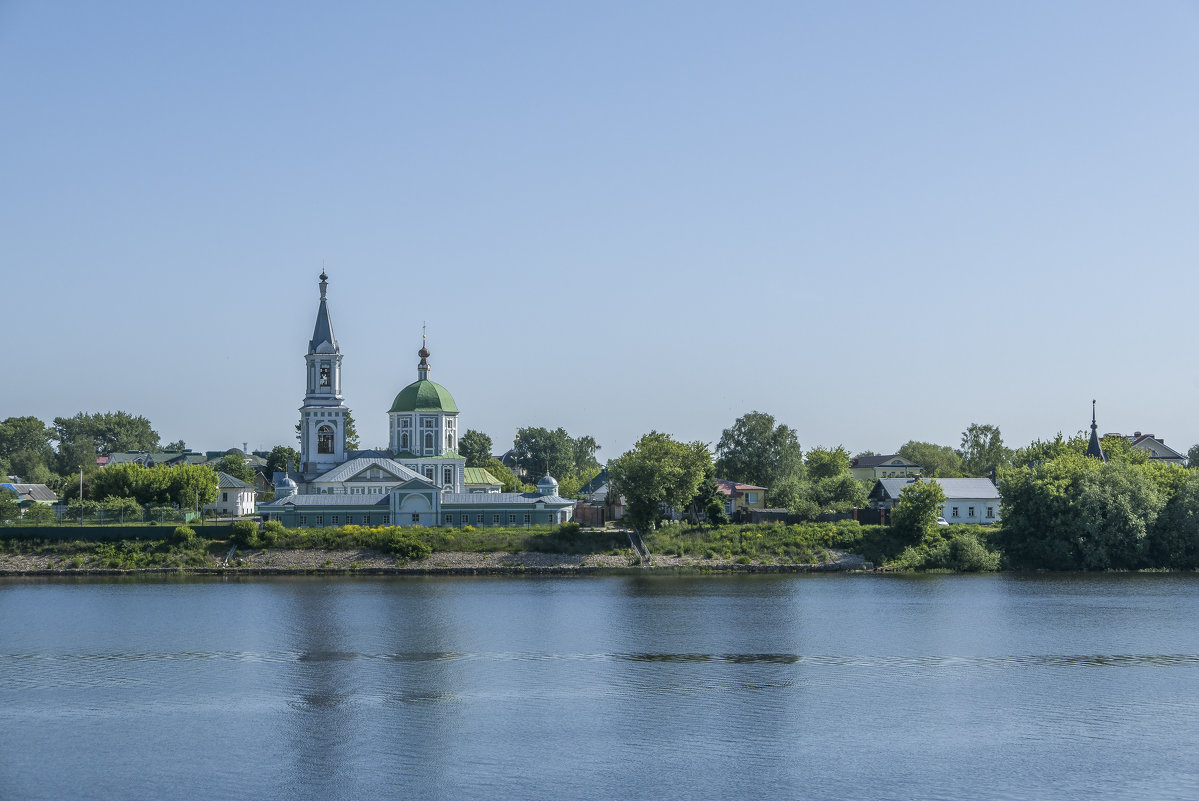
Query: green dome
(424, 396)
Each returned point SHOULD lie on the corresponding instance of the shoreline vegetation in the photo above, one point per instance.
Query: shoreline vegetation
(244, 548)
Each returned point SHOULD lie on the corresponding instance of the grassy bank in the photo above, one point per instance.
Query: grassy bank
(950, 548)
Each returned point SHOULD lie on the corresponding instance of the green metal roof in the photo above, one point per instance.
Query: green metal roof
(424, 396)
(479, 475)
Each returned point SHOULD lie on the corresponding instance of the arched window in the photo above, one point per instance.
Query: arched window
(429, 441)
(447, 476)
(404, 442)
(324, 439)
(450, 441)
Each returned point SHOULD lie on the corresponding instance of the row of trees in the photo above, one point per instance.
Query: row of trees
(44, 454)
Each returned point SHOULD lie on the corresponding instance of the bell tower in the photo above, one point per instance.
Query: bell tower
(323, 414)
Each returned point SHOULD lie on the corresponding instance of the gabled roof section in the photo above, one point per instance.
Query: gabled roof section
(474, 476)
(974, 488)
(731, 488)
(352, 468)
(226, 481)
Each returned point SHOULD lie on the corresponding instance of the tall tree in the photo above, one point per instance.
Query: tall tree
(982, 451)
(235, 465)
(657, 472)
(351, 432)
(177, 445)
(756, 451)
(583, 449)
(540, 451)
(917, 509)
(282, 459)
(25, 447)
(1193, 457)
(108, 432)
(936, 461)
(476, 447)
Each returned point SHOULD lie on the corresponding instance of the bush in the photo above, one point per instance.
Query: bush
(244, 534)
(271, 531)
(184, 535)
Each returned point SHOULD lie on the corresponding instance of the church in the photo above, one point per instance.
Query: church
(419, 480)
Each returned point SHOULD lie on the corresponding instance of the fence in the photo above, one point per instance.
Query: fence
(113, 532)
(101, 514)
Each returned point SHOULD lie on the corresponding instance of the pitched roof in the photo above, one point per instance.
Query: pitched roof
(348, 470)
(479, 475)
(878, 461)
(979, 488)
(502, 499)
(226, 481)
(331, 499)
(32, 492)
(734, 488)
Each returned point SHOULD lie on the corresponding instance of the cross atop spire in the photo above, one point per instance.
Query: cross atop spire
(422, 369)
(324, 281)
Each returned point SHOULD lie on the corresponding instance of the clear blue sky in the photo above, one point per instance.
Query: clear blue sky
(876, 221)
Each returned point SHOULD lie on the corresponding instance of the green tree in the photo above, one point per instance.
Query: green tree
(830, 486)
(234, 464)
(756, 451)
(109, 432)
(540, 451)
(1193, 457)
(982, 451)
(476, 447)
(658, 472)
(505, 476)
(936, 461)
(351, 432)
(10, 509)
(1039, 451)
(584, 449)
(177, 445)
(917, 509)
(700, 508)
(282, 459)
(25, 449)
(1174, 538)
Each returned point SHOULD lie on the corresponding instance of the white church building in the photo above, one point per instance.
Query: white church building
(418, 481)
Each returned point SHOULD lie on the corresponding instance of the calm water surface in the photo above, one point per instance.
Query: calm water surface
(860, 687)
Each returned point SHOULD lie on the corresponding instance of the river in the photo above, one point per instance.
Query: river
(613, 687)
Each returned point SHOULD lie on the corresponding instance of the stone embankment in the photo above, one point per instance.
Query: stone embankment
(442, 563)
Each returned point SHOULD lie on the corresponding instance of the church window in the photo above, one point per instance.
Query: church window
(303, 520)
(429, 473)
(387, 519)
(526, 518)
(495, 520)
(449, 520)
(324, 375)
(403, 442)
(416, 517)
(512, 519)
(479, 519)
(428, 441)
(335, 520)
(447, 476)
(320, 520)
(405, 423)
(449, 440)
(324, 439)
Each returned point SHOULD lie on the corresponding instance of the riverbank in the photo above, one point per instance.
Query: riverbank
(370, 562)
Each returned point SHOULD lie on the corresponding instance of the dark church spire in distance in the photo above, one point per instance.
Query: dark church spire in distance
(1094, 448)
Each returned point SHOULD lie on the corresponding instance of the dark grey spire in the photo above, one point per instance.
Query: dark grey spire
(323, 332)
(1094, 448)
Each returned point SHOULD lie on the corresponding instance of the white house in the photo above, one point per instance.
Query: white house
(234, 497)
(1156, 448)
(967, 500)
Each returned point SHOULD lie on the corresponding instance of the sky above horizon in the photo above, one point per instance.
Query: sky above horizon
(878, 222)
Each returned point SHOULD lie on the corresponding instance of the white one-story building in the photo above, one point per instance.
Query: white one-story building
(967, 500)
